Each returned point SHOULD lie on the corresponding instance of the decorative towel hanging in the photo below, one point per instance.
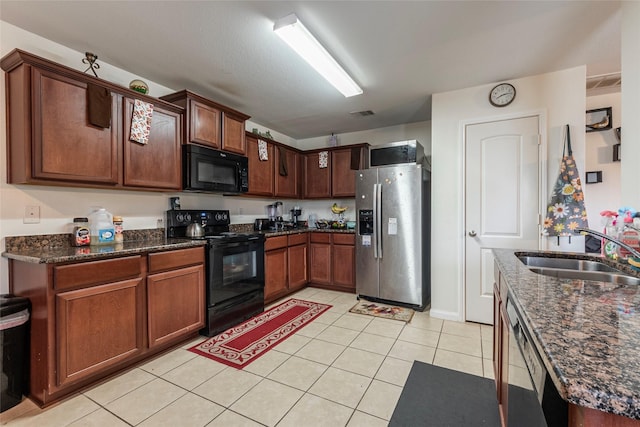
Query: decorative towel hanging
(99, 105)
(263, 155)
(282, 167)
(141, 122)
(323, 159)
(566, 210)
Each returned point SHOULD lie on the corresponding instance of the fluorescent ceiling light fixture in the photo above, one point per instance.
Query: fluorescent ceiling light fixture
(291, 30)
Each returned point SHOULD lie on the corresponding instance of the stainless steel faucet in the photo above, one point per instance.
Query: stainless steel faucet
(632, 250)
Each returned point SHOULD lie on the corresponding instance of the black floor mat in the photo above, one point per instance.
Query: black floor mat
(435, 396)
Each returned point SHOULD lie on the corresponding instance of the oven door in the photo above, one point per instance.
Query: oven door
(234, 269)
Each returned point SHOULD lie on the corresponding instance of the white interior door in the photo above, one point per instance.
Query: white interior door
(502, 209)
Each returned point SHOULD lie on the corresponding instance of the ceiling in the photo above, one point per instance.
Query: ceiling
(399, 52)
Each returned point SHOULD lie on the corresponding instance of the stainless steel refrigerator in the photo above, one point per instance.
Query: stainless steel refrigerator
(393, 235)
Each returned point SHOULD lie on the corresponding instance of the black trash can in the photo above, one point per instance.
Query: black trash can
(14, 344)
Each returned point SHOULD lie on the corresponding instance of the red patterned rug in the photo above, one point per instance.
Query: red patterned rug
(242, 344)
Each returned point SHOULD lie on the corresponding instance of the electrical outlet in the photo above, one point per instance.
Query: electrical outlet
(31, 215)
(160, 223)
(240, 211)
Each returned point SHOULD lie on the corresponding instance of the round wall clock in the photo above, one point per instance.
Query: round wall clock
(502, 95)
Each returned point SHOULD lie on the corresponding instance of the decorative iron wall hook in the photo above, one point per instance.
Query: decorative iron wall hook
(91, 58)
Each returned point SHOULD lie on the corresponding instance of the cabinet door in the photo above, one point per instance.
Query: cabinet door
(275, 273)
(343, 179)
(204, 124)
(233, 134)
(98, 327)
(297, 266)
(260, 171)
(287, 186)
(65, 146)
(156, 164)
(175, 304)
(320, 263)
(317, 180)
(343, 261)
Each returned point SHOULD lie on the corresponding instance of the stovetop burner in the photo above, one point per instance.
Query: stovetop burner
(215, 223)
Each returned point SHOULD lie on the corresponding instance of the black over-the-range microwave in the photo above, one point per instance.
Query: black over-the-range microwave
(208, 170)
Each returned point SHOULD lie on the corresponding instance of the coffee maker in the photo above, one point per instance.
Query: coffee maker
(296, 212)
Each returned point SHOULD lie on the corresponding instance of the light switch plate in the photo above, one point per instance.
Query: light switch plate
(31, 215)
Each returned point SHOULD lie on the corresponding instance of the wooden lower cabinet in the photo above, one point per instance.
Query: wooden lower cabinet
(91, 319)
(285, 265)
(332, 261)
(275, 267)
(174, 304)
(343, 258)
(320, 259)
(297, 255)
(97, 327)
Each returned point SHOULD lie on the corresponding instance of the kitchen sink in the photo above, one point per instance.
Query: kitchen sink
(599, 276)
(567, 264)
(567, 268)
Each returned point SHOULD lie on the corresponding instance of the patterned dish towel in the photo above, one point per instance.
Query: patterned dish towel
(141, 122)
(323, 159)
(262, 150)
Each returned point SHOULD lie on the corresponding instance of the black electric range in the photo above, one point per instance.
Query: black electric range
(234, 267)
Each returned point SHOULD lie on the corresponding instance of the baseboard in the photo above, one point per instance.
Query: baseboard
(445, 315)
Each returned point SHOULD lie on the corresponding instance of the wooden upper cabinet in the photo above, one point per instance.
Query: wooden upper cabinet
(343, 180)
(58, 143)
(211, 124)
(157, 163)
(204, 124)
(317, 180)
(233, 133)
(260, 171)
(287, 185)
(51, 142)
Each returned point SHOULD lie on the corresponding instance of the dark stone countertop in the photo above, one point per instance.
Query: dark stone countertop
(587, 332)
(55, 254)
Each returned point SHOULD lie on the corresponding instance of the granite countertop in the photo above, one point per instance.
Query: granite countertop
(54, 248)
(587, 332)
(50, 249)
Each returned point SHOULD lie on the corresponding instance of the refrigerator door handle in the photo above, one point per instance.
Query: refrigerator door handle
(378, 220)
(375, 220)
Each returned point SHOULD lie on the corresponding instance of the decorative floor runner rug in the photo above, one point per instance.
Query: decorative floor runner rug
(242, 344)
(381, 310)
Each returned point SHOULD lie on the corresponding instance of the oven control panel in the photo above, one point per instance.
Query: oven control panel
(180, 218)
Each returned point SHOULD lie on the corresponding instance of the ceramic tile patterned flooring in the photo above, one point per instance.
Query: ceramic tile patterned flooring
(342, 369)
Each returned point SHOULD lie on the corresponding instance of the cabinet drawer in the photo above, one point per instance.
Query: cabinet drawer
(320, 238)
(275, 243)
(297, 239)
(169, 260)
(344, 239)
(93, 272)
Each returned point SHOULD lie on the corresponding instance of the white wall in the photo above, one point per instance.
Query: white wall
(560, 96)
(599, 157)
(630, 104)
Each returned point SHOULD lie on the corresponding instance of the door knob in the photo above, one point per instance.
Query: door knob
(472, 233)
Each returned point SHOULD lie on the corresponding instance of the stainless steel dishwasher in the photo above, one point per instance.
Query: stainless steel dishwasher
(533, 399)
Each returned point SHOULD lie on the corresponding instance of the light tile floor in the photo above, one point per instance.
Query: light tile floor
(343, 369)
